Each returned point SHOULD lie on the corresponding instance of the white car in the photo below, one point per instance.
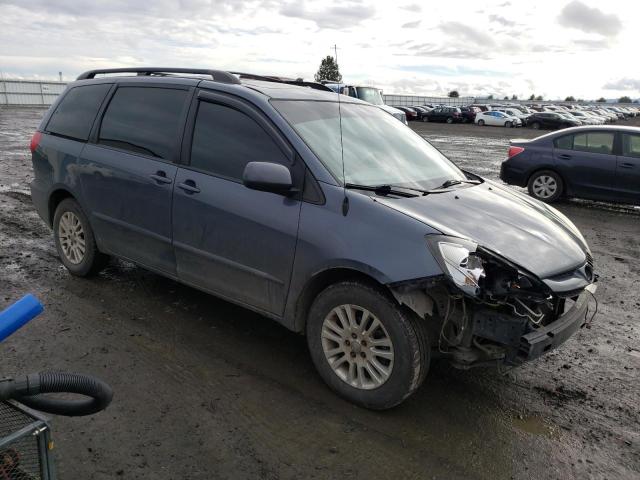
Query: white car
(514, 112)
(498, 119)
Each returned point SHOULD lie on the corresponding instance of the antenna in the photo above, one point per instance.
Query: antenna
(345, 202)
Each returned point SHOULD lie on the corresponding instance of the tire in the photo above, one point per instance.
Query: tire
(535, 126)
(546, 186)
(449, 120)
(406, 334)
(481, 123)
(72, 232)
(425, 119)
(508, 124)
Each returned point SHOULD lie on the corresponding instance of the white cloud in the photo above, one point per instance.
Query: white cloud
(507, 48)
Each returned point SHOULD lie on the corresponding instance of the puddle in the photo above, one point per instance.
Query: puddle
(535, 426)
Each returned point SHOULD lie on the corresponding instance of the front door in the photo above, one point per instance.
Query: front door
(228, 239)
(127, 175)
(628, 168)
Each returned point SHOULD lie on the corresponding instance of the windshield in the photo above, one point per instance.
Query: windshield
(378, 150)
(369, 94)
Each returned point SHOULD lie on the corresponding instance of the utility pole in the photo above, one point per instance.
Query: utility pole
(60, 75)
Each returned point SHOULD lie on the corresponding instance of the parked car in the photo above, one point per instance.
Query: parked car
(421, 111)
(380, 252)
(550, 120)
(599, 163)
(370, 95)
(410, 113)
(497, 119)
(514, 112)
(469, 114)
(586, 118)
(444, 114)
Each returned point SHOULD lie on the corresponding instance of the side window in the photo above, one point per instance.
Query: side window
(631, 145)
(76, 112)
(594, 142)
(144, 120)
(225, 140)
(565, 142)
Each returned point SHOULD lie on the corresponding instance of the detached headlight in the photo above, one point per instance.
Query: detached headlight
(459, 262)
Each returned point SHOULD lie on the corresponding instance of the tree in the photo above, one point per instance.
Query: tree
(506, 98)
(490, 97)
(454, 94)
(601, 100)
(624, 99)
(539, 98)
(532, 97)
(328, 70)
(570, 98)
(514, 97)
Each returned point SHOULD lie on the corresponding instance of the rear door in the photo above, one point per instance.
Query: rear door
(233, 241)
(587, 162)
(127, 175)
(628, 168)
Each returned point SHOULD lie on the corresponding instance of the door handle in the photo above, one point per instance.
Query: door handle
(564, 156)
(189, 186)
(160, 177)
(626, 165)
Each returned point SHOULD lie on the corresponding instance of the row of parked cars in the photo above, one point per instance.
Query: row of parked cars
(517, 115)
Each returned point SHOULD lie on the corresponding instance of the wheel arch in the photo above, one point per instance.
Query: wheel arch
(323, 279)
(55, 197)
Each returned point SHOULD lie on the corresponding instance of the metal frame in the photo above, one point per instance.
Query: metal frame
(38, 428)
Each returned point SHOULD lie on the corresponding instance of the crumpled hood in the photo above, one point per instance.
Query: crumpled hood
(523, 230)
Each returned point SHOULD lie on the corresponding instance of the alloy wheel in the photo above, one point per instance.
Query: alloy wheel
(71, 236)
(357, 347)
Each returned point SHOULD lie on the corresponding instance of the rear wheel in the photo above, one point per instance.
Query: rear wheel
(75, 241)
(535, 126)
(425, 118)
(365, 346)
(545, 185)
(481, 123)
(449, 120)
(507, 124)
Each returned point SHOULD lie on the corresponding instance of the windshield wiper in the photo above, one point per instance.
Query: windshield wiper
(452, 182)
(387, 190)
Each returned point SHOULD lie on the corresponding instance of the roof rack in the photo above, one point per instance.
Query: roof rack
(217, 75)
(288, 81)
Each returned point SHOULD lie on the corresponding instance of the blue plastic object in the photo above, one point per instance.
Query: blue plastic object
(18, 314)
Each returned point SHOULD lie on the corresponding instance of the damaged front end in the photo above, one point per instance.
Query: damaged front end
(486, 310)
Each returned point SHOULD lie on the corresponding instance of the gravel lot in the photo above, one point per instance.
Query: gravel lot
(205, 389)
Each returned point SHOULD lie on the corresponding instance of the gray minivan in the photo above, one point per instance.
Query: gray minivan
(319, 211)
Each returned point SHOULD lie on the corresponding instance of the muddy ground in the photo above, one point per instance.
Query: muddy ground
(205, 389)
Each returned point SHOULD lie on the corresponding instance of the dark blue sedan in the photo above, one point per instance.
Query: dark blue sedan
(598, 163)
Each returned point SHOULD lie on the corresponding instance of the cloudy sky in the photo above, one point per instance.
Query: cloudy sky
(553, 48)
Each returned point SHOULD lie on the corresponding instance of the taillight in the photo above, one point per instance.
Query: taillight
(513, 151)
(35, 141)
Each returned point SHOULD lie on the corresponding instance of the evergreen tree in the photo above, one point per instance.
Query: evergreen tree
(532, 97)
(328, 70)
(514, 97)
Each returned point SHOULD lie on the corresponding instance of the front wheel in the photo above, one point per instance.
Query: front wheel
(365, 346)
(507, 124)
(449, 120)
(481, 123)
(75, 242)
(535, 126)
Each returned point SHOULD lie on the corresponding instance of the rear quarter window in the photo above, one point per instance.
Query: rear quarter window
(76, 112)
(565, 142)
(144, 120)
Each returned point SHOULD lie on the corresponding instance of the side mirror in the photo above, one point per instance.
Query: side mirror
(267, 177)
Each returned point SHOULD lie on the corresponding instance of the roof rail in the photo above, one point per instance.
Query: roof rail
(217, 75)
(288, 81)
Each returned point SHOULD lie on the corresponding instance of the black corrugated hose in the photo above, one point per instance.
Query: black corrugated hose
(30, 389)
